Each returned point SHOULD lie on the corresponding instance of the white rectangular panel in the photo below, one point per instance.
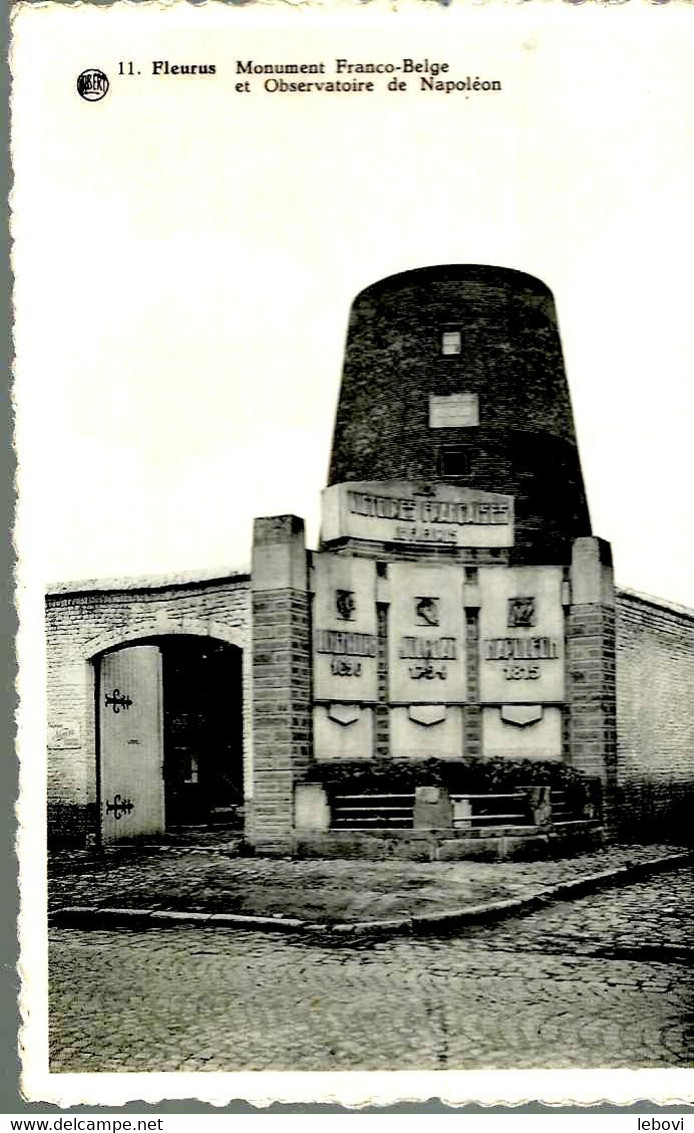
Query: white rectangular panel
(454, 411)
(521, 635)
(335, 739)
(425, 513)
(540, 739)
(426, 634)
(345, 642)
(412, 740)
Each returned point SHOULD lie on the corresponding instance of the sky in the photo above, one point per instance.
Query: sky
(186, 256)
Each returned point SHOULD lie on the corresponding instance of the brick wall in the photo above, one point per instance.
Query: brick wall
(655, 716)
(83, 621)
(590, 670)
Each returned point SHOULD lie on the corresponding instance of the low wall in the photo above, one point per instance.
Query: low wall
(655, 717)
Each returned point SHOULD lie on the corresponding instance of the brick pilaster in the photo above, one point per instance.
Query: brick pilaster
(382, 718)
(472, 713)
(591, 667)
(282, 726)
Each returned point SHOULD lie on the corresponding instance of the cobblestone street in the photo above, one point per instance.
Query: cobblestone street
(209, 880)
(602, 981)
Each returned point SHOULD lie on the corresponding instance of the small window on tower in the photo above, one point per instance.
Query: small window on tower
(451, 340)
(454, 462)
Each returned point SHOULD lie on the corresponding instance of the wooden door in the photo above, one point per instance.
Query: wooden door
(131, 742)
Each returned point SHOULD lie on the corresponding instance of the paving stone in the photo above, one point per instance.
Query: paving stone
(510, 995)
(211, 881)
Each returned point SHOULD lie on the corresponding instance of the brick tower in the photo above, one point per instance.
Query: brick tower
(456, 373)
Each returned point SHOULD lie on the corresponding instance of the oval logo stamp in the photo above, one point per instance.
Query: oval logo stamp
(92, 84)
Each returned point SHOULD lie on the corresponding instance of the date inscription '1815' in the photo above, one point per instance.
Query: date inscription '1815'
(516, 652)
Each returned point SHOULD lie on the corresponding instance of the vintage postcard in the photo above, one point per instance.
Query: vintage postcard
(353, 416)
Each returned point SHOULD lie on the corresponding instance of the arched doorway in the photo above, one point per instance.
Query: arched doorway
(170, 721)
(203, 730)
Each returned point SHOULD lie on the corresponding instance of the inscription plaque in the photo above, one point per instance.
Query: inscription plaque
(400, 511)
(425, 654)
(454, 411)
(64, 735)
(521, 638)
(345, 640)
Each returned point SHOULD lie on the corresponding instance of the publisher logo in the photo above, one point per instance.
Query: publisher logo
(92, 84)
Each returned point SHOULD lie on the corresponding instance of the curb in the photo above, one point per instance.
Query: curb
(94, 917)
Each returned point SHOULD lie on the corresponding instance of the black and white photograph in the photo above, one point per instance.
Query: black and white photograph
(354, 424)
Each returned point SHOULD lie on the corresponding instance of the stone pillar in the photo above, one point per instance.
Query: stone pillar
(432, 809)
(591, 667)
(311, 808)
(462, 814)
(539, 801)
(282, 733)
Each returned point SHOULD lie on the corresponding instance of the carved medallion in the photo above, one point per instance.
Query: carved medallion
(427, 611)
(345, 605)
(521, 612)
